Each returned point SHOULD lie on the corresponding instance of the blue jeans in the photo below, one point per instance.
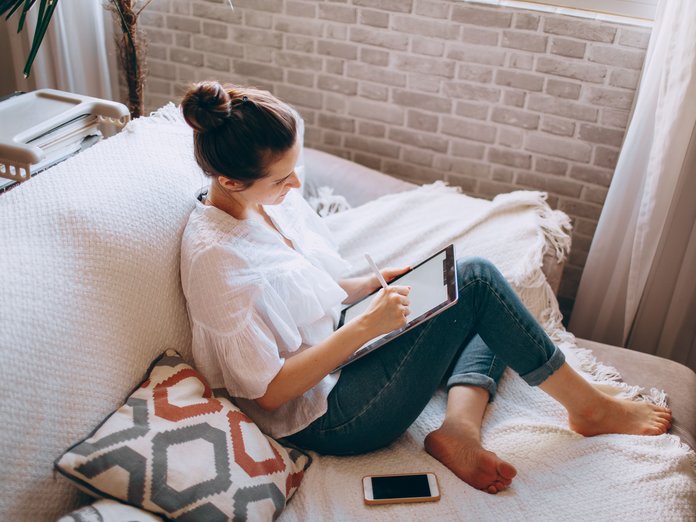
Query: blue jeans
(379, 396)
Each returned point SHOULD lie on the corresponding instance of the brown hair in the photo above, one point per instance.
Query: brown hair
(237, 131)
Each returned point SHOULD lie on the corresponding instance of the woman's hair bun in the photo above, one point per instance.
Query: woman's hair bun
(206, 106)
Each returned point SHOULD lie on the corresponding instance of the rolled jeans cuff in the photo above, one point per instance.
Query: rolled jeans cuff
(474, 379)
(536, 377)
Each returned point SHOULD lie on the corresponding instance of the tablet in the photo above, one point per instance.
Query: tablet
(433, 285)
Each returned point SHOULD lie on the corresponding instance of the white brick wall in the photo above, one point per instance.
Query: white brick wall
(489, 98)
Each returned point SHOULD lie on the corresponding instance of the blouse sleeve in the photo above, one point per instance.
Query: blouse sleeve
(238, 323)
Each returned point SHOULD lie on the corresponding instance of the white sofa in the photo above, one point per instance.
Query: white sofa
(90, 293)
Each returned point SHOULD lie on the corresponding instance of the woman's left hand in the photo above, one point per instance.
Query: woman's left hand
(389, 274)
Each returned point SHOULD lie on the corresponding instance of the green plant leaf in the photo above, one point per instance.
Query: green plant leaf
(46, 10)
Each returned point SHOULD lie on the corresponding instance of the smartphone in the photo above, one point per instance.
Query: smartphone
(410, 487)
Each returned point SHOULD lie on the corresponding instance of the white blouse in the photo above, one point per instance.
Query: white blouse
(253, 302)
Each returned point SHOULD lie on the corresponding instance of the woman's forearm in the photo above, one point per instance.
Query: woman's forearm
(306, 369)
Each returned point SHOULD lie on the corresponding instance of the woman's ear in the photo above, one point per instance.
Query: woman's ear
(229, 184)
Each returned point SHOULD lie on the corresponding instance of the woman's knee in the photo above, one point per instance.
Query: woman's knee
(475, 267)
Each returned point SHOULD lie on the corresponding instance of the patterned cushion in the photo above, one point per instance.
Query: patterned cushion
(177, 450)
(109, 511)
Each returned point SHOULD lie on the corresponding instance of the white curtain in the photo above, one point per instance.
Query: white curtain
(638, 288)
(77, 54)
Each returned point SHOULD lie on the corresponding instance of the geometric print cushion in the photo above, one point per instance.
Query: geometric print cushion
(175, 449)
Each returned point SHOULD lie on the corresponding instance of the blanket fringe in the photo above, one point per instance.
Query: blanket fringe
(168, 114)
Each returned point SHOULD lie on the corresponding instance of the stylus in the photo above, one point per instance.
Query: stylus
(374, 268)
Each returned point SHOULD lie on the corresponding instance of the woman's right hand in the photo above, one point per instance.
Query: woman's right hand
(388, 310)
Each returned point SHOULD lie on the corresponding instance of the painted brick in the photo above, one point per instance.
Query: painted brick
(468, 129)
(558, 147)
(367, 128)
(332, 138)
(550, 166)
(510, 137)
(257, 37)
(503, 174)
(591, 175)
(372, 73)
(431, 9)
(584, 226)
(190, 57)
(217, 63)
(427, 46)
(556, 185)
(298, 61)
(159, 86)
(187, 74)
(563, 89)
(467, 149)
(373, 162)
(258, 19)
(425, 66)
(471, 91)
(217, 13)
(566, 47)
(215, 46)
(609, 55)
(303, 9)
(157, 51)
(524, 41)
(610, 97)
(303, 44)
(478, 36)
(481, 17)
(259, 54)
(517, 118)
(490, 189)
(374, 18)
(519, 160)
(338, 13)
(615, 118)
(373, 91)
(462, 166)
(181, 23)
(335, 122)
(413, 173)
(401, 6)
(625, 78)
(424, 83)
(336, 31)
(158, 35)
(558, 126)
(379, 38)
(519, 80)
(182, 40)
(380, 148)
(587, 72)
(335, 84)
(431, 28)
(605, 157)
(559, 107)
(514, 98)
(580, 209)
(422, 101)
(149, 19)
(474, 73)
(273, 6)
(480, 55)
(634, 38)
(477, 111)
(256, 70)
(595, 194)
(417, 156)
(336, 103)
(303, 97)
(215, 30)
(334, 66)
(601, 135)
(422, 121)
(337, 49)
(526, 21)
(419, 140)
(301, 78)
(299, 26)
(376, 111)
(374, 56)
(521, 61)
(585, 30)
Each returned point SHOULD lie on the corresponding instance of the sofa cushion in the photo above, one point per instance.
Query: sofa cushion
(175, 449)
(109, 511)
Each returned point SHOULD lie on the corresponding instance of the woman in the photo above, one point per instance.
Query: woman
(264, 286)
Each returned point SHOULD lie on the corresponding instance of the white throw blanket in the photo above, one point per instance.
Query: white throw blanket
(561, 475)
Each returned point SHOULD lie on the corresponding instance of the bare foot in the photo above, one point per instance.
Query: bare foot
(459, 448)
(612, 415)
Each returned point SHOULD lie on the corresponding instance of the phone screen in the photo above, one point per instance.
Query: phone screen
(402, 486)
